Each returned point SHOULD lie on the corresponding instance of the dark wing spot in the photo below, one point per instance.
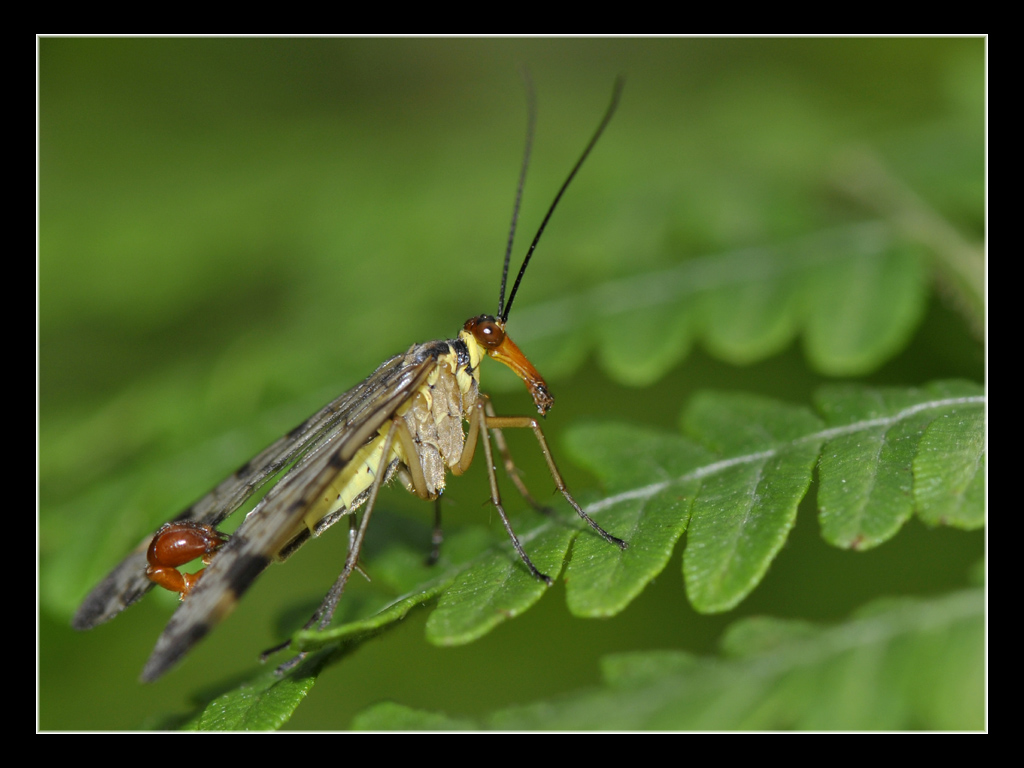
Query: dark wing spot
(244, 572)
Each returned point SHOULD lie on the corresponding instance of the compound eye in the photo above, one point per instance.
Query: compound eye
(487, 331)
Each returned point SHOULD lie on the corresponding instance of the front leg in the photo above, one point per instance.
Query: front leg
(529, 422)
(478, 425)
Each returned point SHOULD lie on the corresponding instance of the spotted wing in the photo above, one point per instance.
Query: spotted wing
(272, 523)
(313, 448)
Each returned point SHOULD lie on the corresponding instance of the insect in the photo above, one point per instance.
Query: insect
(405, 420)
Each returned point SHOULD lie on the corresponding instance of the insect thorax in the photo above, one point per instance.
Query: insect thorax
(433, 415)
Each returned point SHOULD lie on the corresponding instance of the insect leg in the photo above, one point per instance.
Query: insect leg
(437, 535)
(321, 618)
(479, 422)
(352, 528)
(416, 481)
(513, 422)
(510, 468)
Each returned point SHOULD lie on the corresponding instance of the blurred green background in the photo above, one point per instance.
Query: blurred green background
(231, 232)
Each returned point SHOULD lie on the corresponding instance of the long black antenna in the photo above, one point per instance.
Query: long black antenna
(531, 122)
(616, 92)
